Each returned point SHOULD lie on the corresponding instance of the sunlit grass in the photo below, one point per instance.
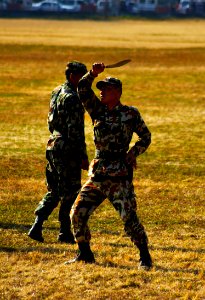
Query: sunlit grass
(165, 80)
(134, 34)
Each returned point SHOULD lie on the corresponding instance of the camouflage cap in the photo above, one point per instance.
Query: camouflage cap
(76, 67)
(109, 81)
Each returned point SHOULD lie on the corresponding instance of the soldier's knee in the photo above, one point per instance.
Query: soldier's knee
(131, 219)
(73, 215)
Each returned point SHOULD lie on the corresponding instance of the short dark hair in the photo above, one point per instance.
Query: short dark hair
(75, 67)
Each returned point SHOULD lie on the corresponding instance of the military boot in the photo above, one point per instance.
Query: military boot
(145, 261)
(66, 237)
(85, 254)
(65, 234)
(35, 232)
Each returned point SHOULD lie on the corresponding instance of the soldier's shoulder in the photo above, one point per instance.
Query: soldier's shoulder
(66, 93)
(130, 109)
(70, 96)
(56, 89)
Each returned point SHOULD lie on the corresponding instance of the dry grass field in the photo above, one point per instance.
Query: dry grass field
(165, 80)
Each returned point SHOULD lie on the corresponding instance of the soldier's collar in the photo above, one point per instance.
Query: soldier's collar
(116, 107)
(69, 84)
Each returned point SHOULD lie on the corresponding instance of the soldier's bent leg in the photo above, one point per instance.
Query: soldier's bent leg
(69, 186)
(42, 212)
(65, 234)
(87, 201)
(51, 198)
(35, 232)
(85, 254)
(136, 231)
(47, 205)
(124, 200)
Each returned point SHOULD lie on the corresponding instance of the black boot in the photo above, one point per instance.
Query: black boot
(66, 237)
(35, 232)
(85, 254)
(65, 234)
(145, 261)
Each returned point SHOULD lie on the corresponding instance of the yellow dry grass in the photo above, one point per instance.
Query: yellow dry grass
(165, 80)
(119, 34)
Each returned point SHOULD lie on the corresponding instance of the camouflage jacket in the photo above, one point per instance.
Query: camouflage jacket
(66, 122)
(113, 131)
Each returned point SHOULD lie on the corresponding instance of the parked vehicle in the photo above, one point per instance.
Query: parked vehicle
(132, 7)
(103, 6)
(3, 5)
(155, 6)
(71, 5)
(88, 7)
(108, 7)
(147, 5)
(47, 5)
(18, 5)
(184, 7)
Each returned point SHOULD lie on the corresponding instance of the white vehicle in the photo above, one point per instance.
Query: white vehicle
(147, 5)
(47, 5)
(71, 5)
(184, 7)
(103, 6)
(154, 6)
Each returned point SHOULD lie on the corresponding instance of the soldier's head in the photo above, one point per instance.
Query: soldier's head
(74, 71)
(110, 91)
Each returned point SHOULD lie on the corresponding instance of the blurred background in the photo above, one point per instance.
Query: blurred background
(105, 8)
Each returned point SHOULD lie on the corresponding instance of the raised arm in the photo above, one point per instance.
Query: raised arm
(90, 101)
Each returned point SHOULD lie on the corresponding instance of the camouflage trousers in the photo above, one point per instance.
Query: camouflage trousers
(63, 178)
(121, 195)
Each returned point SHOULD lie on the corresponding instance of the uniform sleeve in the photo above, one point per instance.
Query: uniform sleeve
(73, 112)
(140, 128)
(51, 119)
(90, 101)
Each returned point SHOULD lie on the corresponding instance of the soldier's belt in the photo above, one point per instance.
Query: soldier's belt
(110, 155)
(98, 177)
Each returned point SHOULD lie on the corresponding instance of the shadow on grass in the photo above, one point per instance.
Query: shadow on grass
(22, 227)
(119, 245)
(187, 271)
(45, 247)
(104, 231)
(174, 248)
(155, 268)
(153, 248)
(26, 227)
(46, 250)
(114, 265)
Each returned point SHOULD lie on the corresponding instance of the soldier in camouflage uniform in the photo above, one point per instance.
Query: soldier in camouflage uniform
(66, 154)
(112, 168)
